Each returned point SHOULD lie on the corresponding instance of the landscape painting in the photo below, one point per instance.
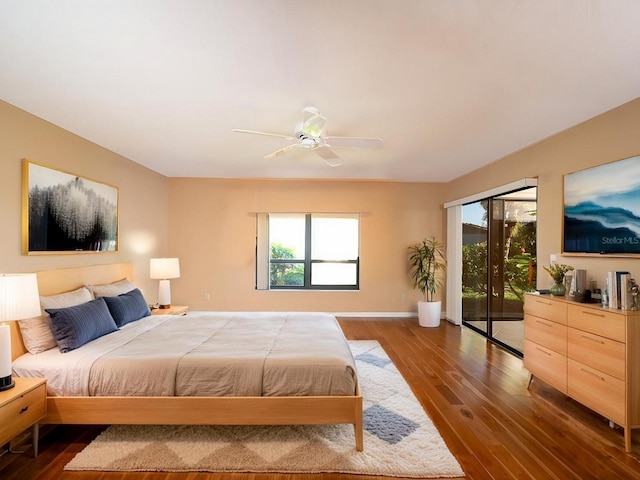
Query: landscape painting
(66, 213)
(602, 209)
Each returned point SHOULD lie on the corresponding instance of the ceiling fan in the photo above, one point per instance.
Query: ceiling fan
(311, 135)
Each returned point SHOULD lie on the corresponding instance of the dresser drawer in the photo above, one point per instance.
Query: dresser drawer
(545, 308)
(546, 364)
(598, 391)
(22, 412)
(598, 321)
(598, 352)
(546, 333)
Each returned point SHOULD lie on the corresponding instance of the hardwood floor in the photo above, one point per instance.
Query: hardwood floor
(476, 394)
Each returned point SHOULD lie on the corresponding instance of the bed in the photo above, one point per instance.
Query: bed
(274, 402)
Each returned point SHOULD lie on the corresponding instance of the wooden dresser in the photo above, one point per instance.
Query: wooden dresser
(590, 353)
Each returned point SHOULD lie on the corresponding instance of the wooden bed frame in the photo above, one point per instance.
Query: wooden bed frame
(301, 410)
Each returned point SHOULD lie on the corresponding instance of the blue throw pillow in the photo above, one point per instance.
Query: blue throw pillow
(127, 307)
(72, 327)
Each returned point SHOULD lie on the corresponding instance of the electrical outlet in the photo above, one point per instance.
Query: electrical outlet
(207, 297)
(403, 297)
(552, 258)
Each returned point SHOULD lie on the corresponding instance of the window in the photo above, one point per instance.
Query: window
(307, 251)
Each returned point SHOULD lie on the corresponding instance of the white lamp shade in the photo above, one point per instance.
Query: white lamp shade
(19, 297)
(164, 268)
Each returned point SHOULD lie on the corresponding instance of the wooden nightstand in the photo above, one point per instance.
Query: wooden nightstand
(22, 407)
(172, 310)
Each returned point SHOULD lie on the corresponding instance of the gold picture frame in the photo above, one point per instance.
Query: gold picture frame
(65, 213)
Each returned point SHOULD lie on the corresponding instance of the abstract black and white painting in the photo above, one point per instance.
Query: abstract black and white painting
(602, 209)
(66, 213)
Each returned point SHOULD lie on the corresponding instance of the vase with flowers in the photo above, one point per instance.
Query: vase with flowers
(557, 271)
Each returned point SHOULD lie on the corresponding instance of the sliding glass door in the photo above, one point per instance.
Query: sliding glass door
(498, 265)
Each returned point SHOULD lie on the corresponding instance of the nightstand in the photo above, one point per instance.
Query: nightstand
(22, 407)
(172, 310)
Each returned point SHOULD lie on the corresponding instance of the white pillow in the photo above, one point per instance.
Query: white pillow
(112, 289)
(36, 332)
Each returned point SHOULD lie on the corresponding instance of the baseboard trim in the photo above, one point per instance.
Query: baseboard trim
(386, 315)
(377, 314)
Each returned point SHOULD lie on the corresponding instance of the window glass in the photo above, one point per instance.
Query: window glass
(334, 237)
(334, 274)
(287, 235)
(308, 251)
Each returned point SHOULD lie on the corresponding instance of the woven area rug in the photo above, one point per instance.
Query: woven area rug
(399, 439)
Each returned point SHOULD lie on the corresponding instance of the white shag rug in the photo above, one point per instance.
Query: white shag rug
(399, 438)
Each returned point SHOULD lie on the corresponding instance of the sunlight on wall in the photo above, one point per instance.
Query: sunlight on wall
(141, 242)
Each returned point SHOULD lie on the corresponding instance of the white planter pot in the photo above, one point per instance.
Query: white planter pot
(429, 313)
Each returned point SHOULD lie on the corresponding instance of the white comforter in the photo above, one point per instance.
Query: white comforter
(205, 354)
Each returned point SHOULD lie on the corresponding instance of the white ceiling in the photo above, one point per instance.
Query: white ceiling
(448, 85)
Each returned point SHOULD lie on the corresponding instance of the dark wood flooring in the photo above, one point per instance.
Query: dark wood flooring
(476, 394)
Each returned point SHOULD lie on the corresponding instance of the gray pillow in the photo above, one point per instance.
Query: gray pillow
(73, 327)
(112, 289)
(127, 307)
(36, 332)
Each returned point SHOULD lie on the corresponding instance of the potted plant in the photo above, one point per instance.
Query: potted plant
(557, 271)
(426, 261)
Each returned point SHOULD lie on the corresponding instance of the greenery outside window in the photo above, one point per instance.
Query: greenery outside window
(309, 251)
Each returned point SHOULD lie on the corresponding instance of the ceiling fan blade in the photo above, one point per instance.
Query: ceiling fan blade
(288, 137)
(314, 125)
(330, 157)
(353, 142)
(282, 151)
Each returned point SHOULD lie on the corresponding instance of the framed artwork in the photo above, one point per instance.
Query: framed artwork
(602, 209)
(66, 213)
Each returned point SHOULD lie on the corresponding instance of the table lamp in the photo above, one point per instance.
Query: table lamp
(18, 299)
(163, 269)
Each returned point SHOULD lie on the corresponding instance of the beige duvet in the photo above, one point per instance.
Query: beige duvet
(205, 354)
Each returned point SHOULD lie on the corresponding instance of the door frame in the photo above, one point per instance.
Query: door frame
(454, 243)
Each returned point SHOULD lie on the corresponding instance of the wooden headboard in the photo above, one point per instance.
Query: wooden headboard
(51, 282)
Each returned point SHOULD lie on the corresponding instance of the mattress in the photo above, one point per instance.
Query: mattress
(205, 354)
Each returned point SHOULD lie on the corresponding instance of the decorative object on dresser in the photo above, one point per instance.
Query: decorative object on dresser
(426, 262)
(65, 213)
(22, 408)
(19, 299)
(557, 271)
(163, 269)
(578, 285)
(621, 287)
(588, 352)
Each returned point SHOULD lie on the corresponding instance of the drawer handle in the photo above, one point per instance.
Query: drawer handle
(543, 302)
(595, 340)
(24, 409)
(601, 315)
(592, 374)
(543, 351)
(546, 324)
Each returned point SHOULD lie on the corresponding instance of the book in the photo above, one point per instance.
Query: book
(620, 287)
(611, 289)
(624, 291)
(616, 286)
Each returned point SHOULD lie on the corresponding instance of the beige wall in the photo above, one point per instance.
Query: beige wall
(210, 223)
(213, 229)
(142, 196)
(611, 136)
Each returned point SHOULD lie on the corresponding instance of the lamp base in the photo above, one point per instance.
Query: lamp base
(164, 294)
(6, 383)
